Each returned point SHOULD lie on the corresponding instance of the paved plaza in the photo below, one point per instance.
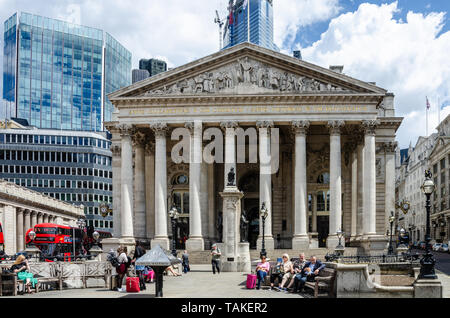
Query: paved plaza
(199, 283)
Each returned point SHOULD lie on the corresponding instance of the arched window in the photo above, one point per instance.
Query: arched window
(324, 178)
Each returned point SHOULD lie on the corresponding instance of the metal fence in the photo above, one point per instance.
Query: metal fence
(373, 259)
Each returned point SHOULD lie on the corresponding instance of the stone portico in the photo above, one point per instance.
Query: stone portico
(336, 153)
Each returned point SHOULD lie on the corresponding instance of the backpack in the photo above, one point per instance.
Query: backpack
(113, 260)
(128, 264)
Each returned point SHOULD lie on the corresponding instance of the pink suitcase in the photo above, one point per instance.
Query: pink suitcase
(251, 281)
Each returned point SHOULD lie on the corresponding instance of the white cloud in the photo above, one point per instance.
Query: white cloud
(291, 15)
(408, 58)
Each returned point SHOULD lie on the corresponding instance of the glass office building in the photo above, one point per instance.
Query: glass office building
(68, 167)
(57, 75)
(261, 24)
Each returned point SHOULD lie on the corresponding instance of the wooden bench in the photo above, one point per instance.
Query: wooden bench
(99, 270)
(325, 281)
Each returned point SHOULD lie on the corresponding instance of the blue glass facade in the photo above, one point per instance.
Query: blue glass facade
(261, 24)
(58, 70)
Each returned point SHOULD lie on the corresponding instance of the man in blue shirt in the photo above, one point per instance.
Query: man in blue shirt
(309, 272)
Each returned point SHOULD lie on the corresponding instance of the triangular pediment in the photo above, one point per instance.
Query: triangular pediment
(441, 143)
(247, 69)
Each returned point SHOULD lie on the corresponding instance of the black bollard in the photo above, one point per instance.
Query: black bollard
(159, 273)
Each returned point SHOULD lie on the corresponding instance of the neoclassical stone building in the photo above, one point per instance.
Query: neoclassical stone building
(336, 152)
(21, 209)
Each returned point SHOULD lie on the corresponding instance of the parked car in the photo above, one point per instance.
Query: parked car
(444, 248)
(436, 246)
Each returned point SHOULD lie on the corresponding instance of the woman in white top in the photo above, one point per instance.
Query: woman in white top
(288, 272)
(122, 268)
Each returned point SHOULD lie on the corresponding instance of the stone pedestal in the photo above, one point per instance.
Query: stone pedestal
(269, 243)
(96, 253)
(163, 242)
(374, 244)
(313, 241)
(114, 243)
(300, 243)
(427, 288)
(195, 244)
(332, 242)
(402, 249)
(235, 255)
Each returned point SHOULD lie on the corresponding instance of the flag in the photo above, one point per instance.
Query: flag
(428, 104)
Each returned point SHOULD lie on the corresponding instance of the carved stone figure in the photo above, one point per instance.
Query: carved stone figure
(247, 69)
(219, 226)
(198, 84)
(244, 227)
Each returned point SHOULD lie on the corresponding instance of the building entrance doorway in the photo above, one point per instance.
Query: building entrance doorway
(251, 207)
(323, 229)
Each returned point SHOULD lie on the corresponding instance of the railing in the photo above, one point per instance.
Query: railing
(373, 259)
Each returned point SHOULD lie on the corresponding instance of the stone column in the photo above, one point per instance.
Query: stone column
(116, 150)
(354, 219)
(150, 189)
(40, 218)
(126, 211)
(360, 179)
(390, 181)
(9, 229)
(161, 212)
(230, 149)
(20, 236)
(300, 240)
(211, 203)
(195, 241)
(27, 221)
(33, 219)
(335, 182)
(45, 218)
(314, 213)
(369, 199)
(139, 141)
(265, 183)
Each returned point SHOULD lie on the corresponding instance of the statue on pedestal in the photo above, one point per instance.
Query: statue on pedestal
(244, 227)
(219, 226)
(231, 178)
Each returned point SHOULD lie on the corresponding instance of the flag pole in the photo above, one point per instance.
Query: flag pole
(439, 111)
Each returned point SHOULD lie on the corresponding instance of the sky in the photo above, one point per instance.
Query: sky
(401, 45)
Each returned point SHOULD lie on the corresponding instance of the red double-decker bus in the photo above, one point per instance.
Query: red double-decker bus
(63, 243)
(2, 240)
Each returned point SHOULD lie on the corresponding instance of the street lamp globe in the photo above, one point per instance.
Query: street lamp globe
(96, 235)
(428, 186)
(173, 213)
(264, 212)
(32, 235)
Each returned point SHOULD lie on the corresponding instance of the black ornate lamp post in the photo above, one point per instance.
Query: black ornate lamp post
(391, 222)
(427, 262)
(174, 214)
(264, 213)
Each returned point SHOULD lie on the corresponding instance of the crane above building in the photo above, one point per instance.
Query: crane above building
(221, 23)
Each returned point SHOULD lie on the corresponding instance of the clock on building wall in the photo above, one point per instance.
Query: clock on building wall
(104, 210)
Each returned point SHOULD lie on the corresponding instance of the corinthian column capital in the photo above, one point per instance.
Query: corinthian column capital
(160, 129)
(335, 126)
(264, 124)
(300, 127)
(369, 126)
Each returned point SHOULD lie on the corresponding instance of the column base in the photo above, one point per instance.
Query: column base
(195, 244)
(114, 243)
(269, 243)
(301, 243)
(332, 242)
(374, 244)
(428, 288)
(161, 241)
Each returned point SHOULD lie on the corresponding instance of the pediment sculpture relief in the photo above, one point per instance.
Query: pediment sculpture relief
(250, 74)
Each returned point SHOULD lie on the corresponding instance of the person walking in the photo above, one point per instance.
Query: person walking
(121, 269)
(185, 258)
(139, 251)
(215, 258)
